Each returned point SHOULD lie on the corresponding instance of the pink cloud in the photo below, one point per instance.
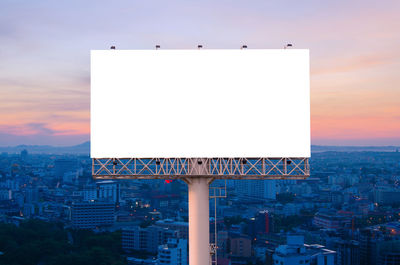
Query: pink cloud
(32, 129)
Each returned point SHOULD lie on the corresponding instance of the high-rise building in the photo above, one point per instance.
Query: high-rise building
(61, 166)
(24, 155)
(222, 243)
(240, 246)
(145, 239)
(379, 247)
(348, 252)
(89, 215)
(28, 210)
(332, 220)
(90, 193)
(109, 190)
(391, 257)
(31, 195)
(386, 195)
(5, 194)
(260, 226)
(181, 227)
(295, 252)
(173, 253)
(263, 223)
(256, 189)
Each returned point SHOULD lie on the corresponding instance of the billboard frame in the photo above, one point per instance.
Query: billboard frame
(215, 168)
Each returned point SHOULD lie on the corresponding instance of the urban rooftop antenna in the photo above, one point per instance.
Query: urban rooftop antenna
(202, 134)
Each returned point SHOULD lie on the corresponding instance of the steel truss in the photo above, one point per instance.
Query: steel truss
(215, 168)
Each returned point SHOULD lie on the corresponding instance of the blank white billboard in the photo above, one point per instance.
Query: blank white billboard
(200, 103)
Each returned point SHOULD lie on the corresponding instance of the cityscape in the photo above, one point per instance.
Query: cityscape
(346, 212)
(199, 132)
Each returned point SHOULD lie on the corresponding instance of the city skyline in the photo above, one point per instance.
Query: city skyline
(45, 79)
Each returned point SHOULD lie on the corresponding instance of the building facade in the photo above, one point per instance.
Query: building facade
(145, 239)
(90, 215)
(256, 189)
(173, 253)
(295, 252)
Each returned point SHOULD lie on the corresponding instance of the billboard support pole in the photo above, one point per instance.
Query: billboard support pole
(199, 230)
(199, 212)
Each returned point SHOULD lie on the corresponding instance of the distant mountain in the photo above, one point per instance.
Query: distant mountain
(327, 148)
(83, 148)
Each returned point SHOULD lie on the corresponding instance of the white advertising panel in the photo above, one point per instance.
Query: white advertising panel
(200, 103)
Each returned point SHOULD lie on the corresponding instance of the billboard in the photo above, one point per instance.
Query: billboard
(200, 103)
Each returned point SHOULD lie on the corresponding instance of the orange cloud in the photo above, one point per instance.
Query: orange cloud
(356, 63)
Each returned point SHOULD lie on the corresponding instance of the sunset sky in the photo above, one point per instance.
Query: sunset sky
(45, 46)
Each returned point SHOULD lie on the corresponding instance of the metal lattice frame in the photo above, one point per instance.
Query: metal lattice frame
(216, 168)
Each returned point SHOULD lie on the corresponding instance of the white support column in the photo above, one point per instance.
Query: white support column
(199, 231)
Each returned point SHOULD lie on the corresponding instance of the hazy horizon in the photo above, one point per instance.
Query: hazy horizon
(312, 144)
